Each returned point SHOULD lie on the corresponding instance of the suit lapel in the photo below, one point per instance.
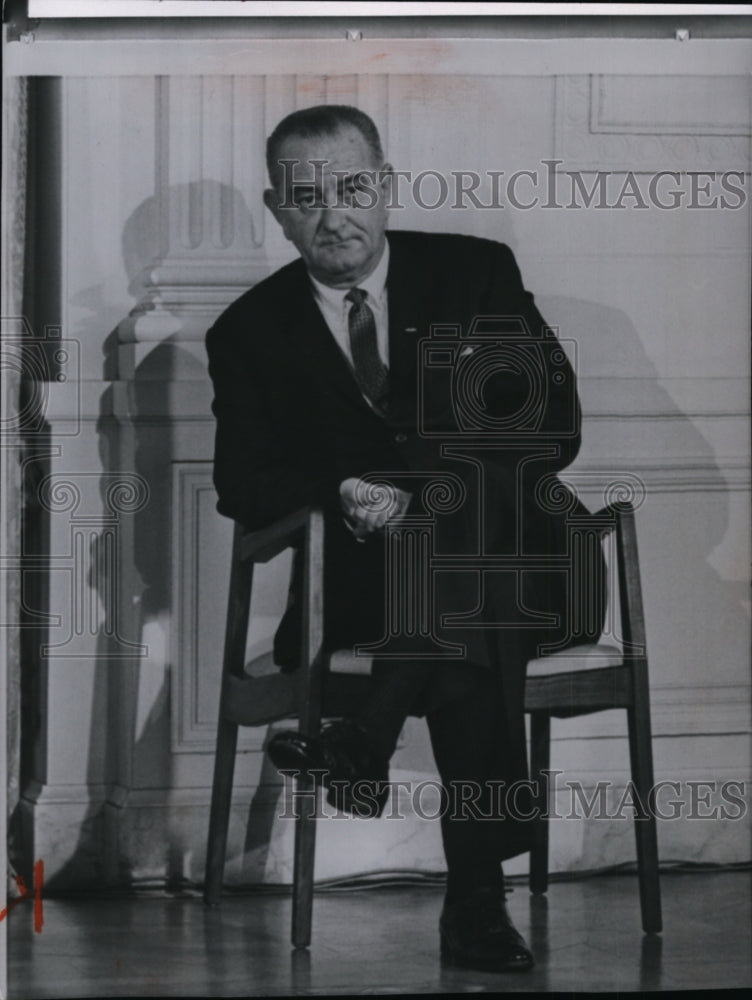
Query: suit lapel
(312, 341)
(314, 345)
(409, 312)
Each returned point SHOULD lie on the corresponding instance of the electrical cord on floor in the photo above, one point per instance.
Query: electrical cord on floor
(413, 878)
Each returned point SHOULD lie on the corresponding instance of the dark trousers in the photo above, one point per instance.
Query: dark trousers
(465, 736)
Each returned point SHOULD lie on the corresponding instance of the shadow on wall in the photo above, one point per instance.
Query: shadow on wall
(148, 447)
(129, 560)
(696, 620)
(631, 424)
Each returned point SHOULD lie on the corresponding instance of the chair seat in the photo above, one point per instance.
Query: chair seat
(262, 665)
(344, 661)
(265, 694)
(585, 657)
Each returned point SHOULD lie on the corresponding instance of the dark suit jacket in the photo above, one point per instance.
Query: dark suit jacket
(503, 417)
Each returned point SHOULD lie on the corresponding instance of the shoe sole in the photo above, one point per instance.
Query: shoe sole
(451, 957)
(291, 756)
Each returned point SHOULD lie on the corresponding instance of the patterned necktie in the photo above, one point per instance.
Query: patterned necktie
(371, 373)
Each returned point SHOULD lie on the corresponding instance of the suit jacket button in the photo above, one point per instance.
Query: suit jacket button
(400, 438)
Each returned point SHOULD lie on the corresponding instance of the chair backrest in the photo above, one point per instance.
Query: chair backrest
(630, 584)
(614, 523)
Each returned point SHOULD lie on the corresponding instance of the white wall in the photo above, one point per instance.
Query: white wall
(163, 225)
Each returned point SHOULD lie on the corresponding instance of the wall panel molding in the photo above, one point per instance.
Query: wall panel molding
(599, 124)
(667, 106)
(201, 554)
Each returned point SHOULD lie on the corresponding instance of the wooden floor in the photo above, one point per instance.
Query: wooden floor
(586, 936)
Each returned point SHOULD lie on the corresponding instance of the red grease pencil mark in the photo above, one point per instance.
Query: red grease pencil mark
(38, 883)
(38, 906)
(21, 883)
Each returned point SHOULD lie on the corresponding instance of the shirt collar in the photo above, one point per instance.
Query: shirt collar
(374, 284)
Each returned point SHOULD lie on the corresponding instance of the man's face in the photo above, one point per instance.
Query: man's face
(336, 220)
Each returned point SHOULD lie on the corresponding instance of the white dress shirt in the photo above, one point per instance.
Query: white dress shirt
(335, 308)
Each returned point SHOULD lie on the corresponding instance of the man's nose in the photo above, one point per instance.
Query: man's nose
(333, 217)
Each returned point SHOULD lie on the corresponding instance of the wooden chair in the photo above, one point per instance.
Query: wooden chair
(593, 678)
(570, 682)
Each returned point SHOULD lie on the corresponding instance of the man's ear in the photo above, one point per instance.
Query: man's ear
(271, 200)
(386, 175)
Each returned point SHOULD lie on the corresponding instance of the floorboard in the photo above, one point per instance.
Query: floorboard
(585, 934)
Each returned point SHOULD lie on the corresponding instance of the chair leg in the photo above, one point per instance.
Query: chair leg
(641, 756)
(540, 755)
(305, 851)
(219, 816)
(310, 693)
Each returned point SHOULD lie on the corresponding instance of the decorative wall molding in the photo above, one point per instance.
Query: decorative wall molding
(210, 129)
(37, 793)
(158, 396)
(198, 612)
(215, 240)
(672, 476)
(599, 125)
(698, 710)
(666, 106)
(177, 403)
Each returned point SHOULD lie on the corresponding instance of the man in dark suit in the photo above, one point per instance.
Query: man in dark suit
(375, 370)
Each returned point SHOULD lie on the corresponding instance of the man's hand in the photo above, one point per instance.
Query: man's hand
(368, 506)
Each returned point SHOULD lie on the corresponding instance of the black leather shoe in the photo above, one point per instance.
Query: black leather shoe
(477, 933)
(355, 776)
